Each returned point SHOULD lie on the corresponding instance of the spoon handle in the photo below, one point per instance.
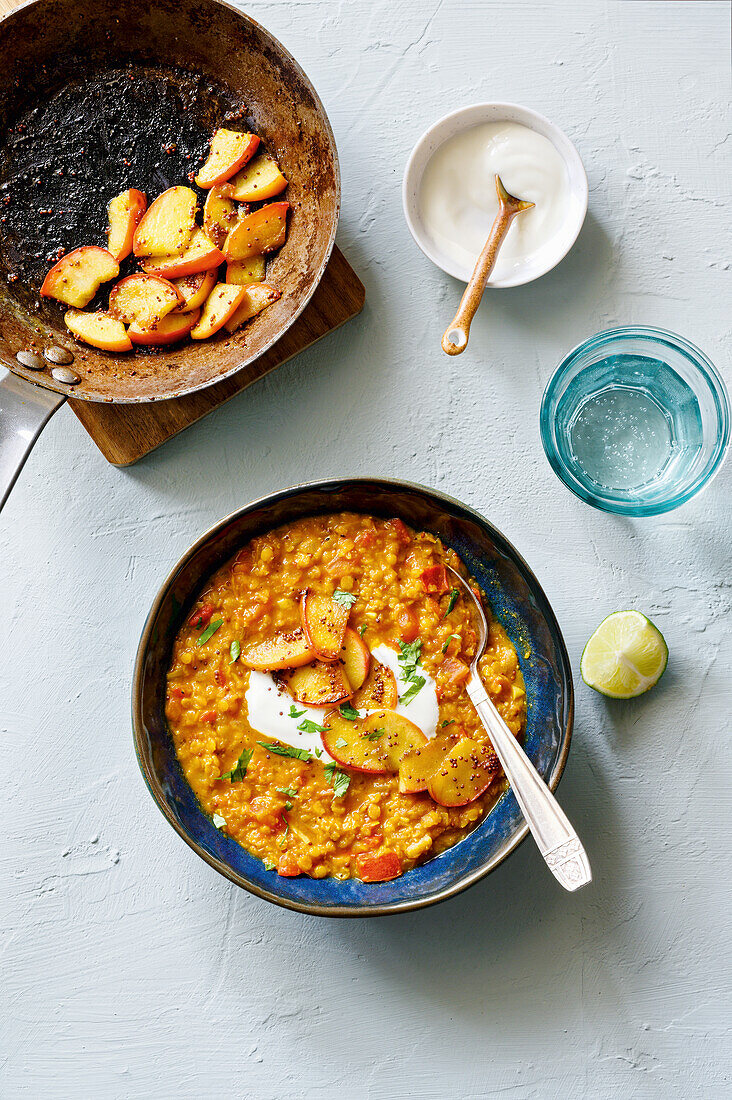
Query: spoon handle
(455, 339)
(556, 839)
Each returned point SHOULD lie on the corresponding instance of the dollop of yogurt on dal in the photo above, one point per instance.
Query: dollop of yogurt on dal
(269, 706)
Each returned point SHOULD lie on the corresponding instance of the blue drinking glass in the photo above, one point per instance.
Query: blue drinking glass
(635, 421)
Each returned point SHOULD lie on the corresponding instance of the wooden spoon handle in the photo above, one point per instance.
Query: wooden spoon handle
(455, 339)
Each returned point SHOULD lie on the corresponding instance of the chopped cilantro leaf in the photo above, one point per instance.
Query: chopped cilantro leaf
(295, 713)
(409, 657)
(415, 686)
(341, 783)
(345, 599)
(306, 726)
(234, 651)
(362, 629)
(341, 743)
(286, 750)
(288, 792)
(239, 770)
(447, 722)
(269, 865)
(349, 712)
(450, 638)
(373, 735)
(452, 601)
(209, 631)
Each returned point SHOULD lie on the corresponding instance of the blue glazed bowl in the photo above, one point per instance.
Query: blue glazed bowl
(517, 600)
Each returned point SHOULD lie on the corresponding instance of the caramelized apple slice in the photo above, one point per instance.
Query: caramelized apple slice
(77, 276)
(397, 735)
(219, 215)
(143, 300)
(167, 226)
(221, 304)
(260, 180)
(376, 743)
(244, 272)
(324, 621)
(230, 151)
(346, 743)
(318, 685)
(257, 297)
(168, 331)
(263, 230)
(466, 772)
(378, 690)
(194, 289)
(98, 329)
(124, 213)
(355, 658)
(283, 651)
(201, 255)
(416, 768)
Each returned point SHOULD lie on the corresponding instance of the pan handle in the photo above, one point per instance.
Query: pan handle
(25, 410)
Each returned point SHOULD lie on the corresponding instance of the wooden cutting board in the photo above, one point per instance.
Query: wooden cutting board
(126, 433)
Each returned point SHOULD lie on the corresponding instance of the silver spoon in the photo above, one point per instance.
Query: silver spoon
(556, 839)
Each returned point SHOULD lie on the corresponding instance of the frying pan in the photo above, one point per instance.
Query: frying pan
(100, 95)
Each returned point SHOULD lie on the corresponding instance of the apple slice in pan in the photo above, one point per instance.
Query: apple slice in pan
(244, 272)
(324, 621)
(416, 768)
(167, 226)
(466, 772)
(318, 685)
(77, 276)
(289, 650)
(379, 690)
(221, 304)
(355, 658)
(263, 230)
(258, 296)
(99, 330)
(260, 180)
(124, 213)
(220, 214)
(201, 255)
(194, 289)
(172, 328)
(230, 151)
(375, 744)
(143, 300)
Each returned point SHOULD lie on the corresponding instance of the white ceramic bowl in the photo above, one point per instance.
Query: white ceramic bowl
(464, 119)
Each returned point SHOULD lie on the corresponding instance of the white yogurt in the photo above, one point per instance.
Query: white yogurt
(458, 201)
(423, 709)
(268, 706)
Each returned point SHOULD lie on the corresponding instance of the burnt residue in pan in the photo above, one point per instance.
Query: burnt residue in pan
(84, 142)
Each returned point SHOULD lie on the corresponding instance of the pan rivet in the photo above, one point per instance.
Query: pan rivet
(55, 354)
(66, 375)
(30, 360)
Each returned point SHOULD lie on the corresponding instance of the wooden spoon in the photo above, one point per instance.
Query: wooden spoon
(457, 332)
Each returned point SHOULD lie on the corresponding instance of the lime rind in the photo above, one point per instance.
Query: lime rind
(625, 656)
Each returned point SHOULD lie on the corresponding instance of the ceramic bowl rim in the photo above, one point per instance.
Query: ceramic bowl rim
(464, 118)
(707, 371)
(138, 726)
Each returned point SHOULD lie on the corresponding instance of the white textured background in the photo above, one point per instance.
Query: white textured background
(129, 968)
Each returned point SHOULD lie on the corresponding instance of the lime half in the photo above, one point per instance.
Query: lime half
(625, 656)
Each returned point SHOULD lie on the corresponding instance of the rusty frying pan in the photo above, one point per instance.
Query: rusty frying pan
(100, 95)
